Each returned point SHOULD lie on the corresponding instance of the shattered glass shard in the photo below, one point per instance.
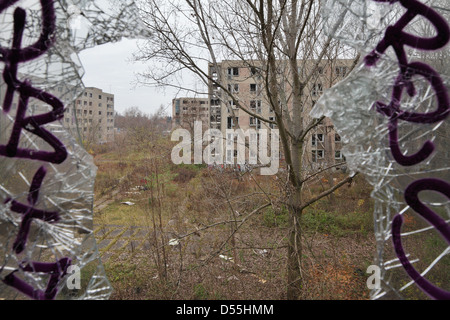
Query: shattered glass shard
(399, 141)
(46, 178)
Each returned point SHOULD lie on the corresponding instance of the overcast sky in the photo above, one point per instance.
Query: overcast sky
(109, 68)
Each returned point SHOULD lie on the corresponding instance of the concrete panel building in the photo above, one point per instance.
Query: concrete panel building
(91, 116)
(186, 111)
(243, 79)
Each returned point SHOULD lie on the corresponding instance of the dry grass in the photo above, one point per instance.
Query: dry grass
(172, 202)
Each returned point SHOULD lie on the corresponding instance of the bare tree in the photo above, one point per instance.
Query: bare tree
(141, 129)
(284, 44)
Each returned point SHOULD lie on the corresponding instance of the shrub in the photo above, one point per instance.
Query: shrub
(275, 218)
(338, 224)
(185, 175)
(200, 292)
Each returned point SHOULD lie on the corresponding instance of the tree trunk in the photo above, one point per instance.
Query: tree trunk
(330, 160)
(294, 259)
(294, 263)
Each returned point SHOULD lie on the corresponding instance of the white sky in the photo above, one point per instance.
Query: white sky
(109, 67)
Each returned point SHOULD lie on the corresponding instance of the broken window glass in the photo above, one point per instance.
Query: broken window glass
(47, 244)
(391, 113)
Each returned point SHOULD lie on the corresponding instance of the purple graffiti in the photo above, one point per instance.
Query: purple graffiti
(396, 38)
(29, 212)
(412, 199)
(56, 270)
(12, 58)
(395, 114)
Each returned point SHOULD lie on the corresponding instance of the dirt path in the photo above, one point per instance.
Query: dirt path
(114, 240)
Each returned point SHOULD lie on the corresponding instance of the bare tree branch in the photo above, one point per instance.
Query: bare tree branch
(327, 192)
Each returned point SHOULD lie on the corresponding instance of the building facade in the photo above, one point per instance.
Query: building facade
(186, 111)
(243, 79)
(91, 116)
(89, 119)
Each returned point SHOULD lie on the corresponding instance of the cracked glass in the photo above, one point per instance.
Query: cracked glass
(391, 112)
(47, 244)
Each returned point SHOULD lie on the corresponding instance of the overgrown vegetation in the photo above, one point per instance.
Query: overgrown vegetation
(225, 247)
(193, 232)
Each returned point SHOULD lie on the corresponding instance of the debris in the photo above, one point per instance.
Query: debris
(225, 258)
(260, 252)
(245, 271)
(172, 222)
(260, 280)
(174, 242)
(232, 278)
(128, 203)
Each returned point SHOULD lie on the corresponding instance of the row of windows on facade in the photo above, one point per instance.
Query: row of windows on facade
(79, 120)
(31, 108)
(68, 111)
(194, 109)
(253, 87)
(86, 129)
(316, 90)
(89, 103)
(90, 94)
(87, 94)
(255, 105)
(319, 137)
(319, 154)
(253, 122)
(340, 71)
(68, 119)
(194, 102)
(89, 112)
(316, 155)
(79, 102)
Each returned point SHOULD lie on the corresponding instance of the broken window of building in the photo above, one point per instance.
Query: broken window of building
(316, 138)
(233, 72)
(317, 90)
(317, 155)
(337, 138)
(341, 71)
